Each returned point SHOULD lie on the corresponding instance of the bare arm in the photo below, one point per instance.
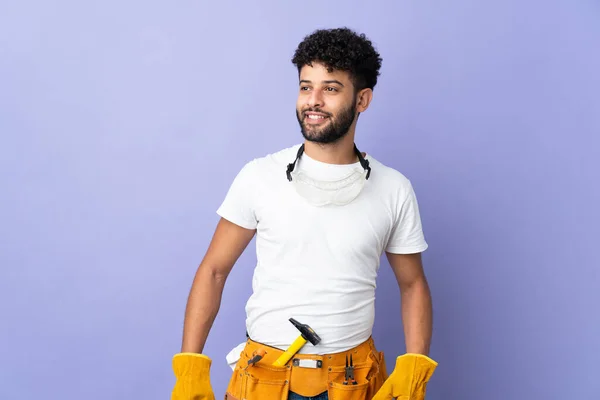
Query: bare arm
(227, 244)
(416, 301)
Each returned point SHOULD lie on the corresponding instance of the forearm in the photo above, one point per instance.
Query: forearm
(417, 317)
(202, 307)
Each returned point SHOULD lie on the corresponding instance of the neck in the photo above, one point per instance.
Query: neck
(340, 152)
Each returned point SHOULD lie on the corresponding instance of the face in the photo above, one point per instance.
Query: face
(327, 104)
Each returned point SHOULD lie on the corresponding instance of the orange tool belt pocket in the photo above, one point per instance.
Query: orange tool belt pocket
(307, 374)
(260, 380)
(368, 375)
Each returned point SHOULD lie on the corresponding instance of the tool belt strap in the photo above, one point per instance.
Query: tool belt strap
(307, 374)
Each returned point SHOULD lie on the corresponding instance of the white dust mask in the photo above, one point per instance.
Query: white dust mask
(337, 192)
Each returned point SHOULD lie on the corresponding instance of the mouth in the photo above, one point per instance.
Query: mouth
(315, 118)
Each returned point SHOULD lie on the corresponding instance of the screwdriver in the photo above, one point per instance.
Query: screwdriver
(256, 357)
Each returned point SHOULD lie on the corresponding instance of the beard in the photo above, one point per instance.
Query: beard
(333, 130)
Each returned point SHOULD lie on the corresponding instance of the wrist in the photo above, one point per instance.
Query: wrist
(418, 349)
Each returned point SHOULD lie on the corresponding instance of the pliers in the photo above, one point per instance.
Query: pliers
(349, 376)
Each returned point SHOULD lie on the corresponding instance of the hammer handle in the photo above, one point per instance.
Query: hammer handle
(289, 353)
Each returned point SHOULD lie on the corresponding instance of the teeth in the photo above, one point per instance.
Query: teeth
(315, 116)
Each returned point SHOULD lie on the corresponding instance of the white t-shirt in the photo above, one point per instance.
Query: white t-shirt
(319, 264)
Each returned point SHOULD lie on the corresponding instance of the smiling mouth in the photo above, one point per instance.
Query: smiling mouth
(315, 118)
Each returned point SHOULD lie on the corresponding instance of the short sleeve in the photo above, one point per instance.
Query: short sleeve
(407, 234)
(238, 205)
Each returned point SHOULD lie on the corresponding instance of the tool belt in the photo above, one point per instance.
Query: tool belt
(307, 374)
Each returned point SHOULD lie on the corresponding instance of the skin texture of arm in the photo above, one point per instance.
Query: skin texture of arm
(417, 314)
(227, 244)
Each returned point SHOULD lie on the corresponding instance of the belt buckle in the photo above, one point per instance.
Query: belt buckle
(307, 363)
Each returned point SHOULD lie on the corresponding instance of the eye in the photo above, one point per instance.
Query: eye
(331, 89)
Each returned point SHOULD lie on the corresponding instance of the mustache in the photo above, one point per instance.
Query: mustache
(315, 110)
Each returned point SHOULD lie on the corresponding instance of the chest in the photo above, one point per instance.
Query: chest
(357, 231)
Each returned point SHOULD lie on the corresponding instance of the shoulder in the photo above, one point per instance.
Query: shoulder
(270, 163)
(387, 177)
(279, 158)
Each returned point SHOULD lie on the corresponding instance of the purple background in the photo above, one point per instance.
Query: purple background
(123, 124)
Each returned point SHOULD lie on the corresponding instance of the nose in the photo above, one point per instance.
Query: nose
(315, 99)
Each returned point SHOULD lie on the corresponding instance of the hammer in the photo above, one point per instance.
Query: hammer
(306, 334)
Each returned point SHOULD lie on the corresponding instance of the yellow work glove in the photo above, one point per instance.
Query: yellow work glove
(192, 373)
(409, 379)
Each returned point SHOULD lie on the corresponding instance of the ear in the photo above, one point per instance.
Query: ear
(363, 99)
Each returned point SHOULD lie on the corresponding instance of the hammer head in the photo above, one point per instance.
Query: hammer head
(306, 332)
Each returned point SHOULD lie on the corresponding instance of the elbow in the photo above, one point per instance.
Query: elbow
(417, 285)
(214, 274)
(219, 277)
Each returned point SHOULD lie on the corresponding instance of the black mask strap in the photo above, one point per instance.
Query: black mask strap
(364, 163)
(291, 166)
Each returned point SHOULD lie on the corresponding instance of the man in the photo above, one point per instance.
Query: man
(323, 213)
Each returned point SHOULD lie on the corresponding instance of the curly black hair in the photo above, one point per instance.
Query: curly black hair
(341, 49)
